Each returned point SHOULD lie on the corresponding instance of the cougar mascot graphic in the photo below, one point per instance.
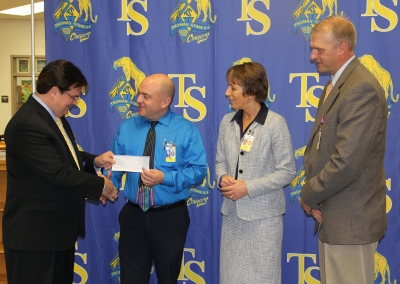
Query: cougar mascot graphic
(381, 74)
(130, 70)
(382, 268)
(205, 6)
(85, 6)
(241, 61)
(329, 4)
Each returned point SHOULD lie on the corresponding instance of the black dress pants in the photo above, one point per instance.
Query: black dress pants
(152, 236)
(44, 267)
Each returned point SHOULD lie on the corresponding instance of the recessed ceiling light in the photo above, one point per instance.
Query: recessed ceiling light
(24, 10)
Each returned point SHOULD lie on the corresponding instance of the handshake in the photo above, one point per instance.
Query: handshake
(106, 161)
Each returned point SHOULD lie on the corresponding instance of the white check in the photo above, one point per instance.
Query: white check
(131, 163)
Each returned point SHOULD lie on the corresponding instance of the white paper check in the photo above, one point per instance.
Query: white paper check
(131, 163)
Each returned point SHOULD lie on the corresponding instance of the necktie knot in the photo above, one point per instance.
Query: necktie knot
(153, 124)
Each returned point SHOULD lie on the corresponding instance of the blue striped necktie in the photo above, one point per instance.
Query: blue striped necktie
(145, 195)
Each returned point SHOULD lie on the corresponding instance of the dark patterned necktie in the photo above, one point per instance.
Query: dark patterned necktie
(145, 195)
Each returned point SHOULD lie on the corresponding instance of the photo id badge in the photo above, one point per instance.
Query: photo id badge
(247, 142)
(170, 152)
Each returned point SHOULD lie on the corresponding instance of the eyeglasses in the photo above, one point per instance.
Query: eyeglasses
(76, 98)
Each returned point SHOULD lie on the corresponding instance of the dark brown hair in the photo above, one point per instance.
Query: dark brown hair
(62, 74)
(252, 77)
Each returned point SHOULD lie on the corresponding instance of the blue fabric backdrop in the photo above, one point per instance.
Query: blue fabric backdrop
(117, 43)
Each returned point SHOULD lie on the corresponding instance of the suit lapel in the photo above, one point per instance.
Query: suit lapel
(324, 107)
(71, 136)
(237, 131)
(316, 124)
(44, 114)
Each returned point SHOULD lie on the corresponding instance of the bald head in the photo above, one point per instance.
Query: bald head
(156, 93)
(163, 84)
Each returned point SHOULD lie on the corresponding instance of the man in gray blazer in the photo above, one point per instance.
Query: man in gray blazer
(345, 189)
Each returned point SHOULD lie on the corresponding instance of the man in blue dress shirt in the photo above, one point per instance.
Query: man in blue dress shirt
(159, 233)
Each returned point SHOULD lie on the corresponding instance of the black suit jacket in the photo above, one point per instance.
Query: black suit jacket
(46, 191)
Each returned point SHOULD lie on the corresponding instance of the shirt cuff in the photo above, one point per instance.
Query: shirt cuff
(168, 179)
(96, 167)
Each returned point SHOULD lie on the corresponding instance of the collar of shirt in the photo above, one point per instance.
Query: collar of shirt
(165, 119)
(44, 105)
(340, 71)
(260, 117)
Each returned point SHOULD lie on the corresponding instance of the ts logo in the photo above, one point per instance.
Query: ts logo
(186, 271)
(81, 106)
(307, 99)
(187, 100)
(249, 12)
(79, 269)
(128, 14)
(375, 8)
(304, 274)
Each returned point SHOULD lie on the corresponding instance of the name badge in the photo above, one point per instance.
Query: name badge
(170, 151)
(247, 141)
(320, 133)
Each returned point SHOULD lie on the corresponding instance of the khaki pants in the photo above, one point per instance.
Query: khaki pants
(346, 264)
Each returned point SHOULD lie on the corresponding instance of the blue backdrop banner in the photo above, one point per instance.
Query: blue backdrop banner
(117, 44)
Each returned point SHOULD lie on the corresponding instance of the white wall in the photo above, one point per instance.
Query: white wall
(15, 39)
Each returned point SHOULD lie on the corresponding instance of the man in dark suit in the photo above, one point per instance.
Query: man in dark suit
(48, 181)
(345, 189)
